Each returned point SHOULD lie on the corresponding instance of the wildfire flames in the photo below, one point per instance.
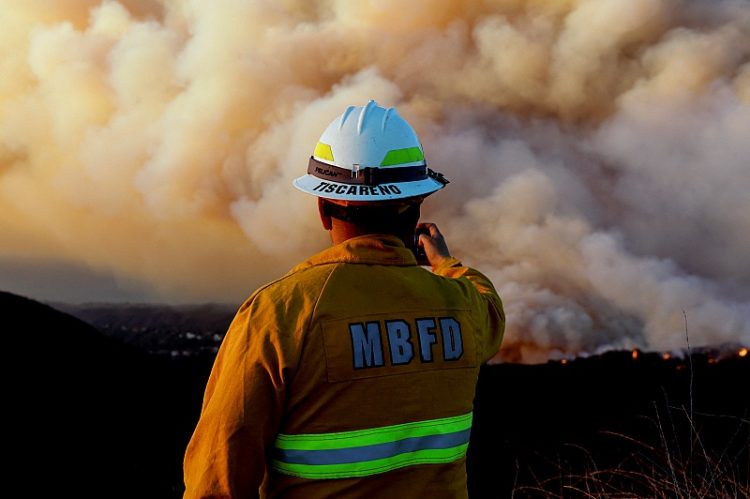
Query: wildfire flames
(679, 359)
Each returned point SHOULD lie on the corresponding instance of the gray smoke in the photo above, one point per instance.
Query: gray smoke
(598, 148)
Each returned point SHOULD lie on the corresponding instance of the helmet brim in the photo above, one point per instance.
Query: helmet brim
(356, 192)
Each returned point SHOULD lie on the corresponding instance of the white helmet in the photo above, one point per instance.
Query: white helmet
(369, 153)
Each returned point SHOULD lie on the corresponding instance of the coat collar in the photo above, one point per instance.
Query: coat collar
(372, 249)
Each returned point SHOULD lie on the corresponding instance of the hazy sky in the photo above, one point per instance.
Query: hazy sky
(66, 282)
(597, 151)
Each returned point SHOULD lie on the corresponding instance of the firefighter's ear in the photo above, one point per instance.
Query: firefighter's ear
(325, 218)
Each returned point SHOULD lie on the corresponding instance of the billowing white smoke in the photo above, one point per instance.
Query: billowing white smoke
(598, 148)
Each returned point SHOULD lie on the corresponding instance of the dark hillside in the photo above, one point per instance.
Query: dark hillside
(610, 411)
(90, 416)
(103, 414)
(173, 331)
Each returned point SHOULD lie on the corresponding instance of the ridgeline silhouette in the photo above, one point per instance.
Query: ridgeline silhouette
(107, 412)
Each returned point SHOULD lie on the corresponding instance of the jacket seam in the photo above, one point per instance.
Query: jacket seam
(308, 323)
(322, 290)
(304, 335)
(315, 312)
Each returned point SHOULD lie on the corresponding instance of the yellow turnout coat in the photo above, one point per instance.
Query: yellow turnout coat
(351, 376)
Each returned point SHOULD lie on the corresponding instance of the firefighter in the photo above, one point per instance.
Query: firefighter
(354, 374)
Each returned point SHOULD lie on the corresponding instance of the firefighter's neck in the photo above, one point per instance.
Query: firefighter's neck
(342, 231)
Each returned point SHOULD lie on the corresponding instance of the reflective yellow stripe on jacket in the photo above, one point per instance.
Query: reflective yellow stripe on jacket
(372, 451)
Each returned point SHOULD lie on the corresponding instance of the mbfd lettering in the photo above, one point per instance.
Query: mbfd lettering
(427, 337)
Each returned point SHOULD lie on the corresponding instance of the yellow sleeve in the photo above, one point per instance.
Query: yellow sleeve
(242, 405)
(487, 303)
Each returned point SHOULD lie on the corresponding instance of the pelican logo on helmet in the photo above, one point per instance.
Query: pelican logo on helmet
(326, 172)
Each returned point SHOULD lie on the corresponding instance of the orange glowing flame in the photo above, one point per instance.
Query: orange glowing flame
(742, 352)
(666, 356)
(635, 354)
(564, 361)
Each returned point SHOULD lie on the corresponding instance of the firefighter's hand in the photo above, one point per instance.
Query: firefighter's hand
(434, 244)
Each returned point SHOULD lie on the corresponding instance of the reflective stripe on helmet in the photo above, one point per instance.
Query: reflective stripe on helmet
(402, 156)
(372, 451)
(323, 151)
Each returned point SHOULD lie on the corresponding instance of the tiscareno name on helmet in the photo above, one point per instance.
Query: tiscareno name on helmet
(357, 190)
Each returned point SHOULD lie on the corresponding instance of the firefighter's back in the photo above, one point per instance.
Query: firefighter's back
(381, 402)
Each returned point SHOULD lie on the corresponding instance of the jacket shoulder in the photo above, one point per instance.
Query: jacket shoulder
(299, 286)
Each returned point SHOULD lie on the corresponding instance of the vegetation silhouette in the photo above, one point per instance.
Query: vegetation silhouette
(108, 412)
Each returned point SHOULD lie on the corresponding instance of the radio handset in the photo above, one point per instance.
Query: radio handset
(418, 250)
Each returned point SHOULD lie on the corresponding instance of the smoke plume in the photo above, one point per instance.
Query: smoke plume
(598, 149)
